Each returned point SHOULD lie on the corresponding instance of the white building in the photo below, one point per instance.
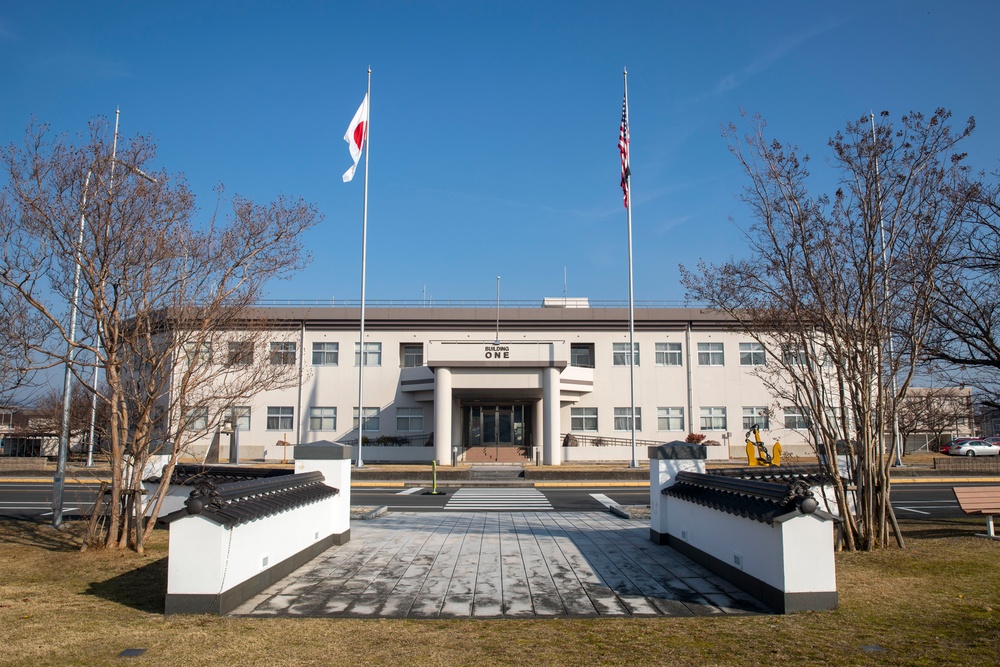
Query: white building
(509, 384)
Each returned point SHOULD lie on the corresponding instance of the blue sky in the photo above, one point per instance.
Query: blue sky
(494, 126)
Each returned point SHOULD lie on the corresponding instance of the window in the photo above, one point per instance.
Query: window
(159, 420)
(711, 354)
(620, 351)
(581, 355)
(623, 422)
(280, 418)
(755, 414)
(326, 354)
(239, 417)
(283, 354)
(796, 417)
(793, 355)
(373, 354)
(668, 354)
(322, 419)
(240, 353)
(198, 354)
(371, 419)
(713, 419)
(411, 355)
(196, 418)
(583, 419)
(752, 354)
(410, 419)
(669, 419)
(6, 419)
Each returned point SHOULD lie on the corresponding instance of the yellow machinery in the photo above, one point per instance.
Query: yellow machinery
(757, 454)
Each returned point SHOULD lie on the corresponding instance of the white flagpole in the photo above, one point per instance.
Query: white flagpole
(364, 252)
(631, 300)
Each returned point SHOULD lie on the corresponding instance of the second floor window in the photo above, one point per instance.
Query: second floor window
(373, 354)
(283, 354)
(621, 357)
(752, 354)
(240, 353)
(326, 354)
(711, 354)
(668, 354)
(411, 355)
(582, 355)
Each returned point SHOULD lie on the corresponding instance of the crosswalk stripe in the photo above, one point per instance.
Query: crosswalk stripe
(498, 500)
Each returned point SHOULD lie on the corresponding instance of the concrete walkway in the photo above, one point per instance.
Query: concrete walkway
(500, 564)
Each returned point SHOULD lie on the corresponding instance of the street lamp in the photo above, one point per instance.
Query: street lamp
(59, 480)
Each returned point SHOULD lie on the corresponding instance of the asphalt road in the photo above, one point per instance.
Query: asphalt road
(33, 500)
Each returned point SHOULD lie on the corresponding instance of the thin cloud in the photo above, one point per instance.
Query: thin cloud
(775, 54)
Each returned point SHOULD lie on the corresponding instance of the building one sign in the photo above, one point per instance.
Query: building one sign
(536, 354)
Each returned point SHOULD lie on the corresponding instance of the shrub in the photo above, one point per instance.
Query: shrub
(695, 438)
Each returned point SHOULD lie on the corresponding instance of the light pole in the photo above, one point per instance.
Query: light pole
(59, 480)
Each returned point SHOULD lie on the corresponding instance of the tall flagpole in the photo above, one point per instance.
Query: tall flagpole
(364, 253)
(627, 184)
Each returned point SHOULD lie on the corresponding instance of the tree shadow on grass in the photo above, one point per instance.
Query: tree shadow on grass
(34, 533)
(143, 589)
(942, 528)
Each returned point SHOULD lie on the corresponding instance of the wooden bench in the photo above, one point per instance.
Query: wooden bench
(980, 500)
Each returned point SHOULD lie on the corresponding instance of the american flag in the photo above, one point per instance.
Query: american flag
(623, 149)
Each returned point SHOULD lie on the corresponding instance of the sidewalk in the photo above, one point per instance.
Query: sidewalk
(500, 565)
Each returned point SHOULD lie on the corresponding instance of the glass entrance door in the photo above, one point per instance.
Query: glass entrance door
(497, 425)
(495, 429)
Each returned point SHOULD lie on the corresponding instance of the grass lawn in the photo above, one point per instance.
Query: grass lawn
(935, 603)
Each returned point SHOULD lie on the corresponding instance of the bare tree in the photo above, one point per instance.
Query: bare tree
(965, 340)
(159, 292)
(935, 411)
(840, 289)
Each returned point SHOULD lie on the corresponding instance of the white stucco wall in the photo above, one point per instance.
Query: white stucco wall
(206, 558)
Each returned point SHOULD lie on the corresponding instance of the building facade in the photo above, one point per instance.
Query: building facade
(548, 383)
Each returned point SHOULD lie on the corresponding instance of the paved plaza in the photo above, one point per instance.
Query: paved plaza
(500, 565)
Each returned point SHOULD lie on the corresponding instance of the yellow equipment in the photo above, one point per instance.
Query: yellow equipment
(757, 454)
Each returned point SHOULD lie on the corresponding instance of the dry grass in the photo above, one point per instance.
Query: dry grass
(936, 603)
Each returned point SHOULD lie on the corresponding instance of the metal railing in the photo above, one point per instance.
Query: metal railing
(463, 303)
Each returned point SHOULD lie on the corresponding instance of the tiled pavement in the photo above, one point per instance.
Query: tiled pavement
(500, 564)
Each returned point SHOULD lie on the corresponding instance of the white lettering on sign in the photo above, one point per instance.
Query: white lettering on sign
(497, 351)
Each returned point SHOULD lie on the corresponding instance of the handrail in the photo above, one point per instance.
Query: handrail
(468, 303)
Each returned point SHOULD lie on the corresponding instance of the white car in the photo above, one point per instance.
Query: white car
(974, 448)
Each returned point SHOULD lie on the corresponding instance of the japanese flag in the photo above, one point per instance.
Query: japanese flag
(356, 135)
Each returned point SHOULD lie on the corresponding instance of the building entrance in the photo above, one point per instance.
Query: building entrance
(497, 433)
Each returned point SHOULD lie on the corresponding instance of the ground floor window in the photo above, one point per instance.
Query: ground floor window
(410, 420)
(669, 419)
(796, 417)
(372, 416)
(280, 418)
(755, 414)
(713, 419)
(196, 418)
(239, 417)
(583, 419)
(322, 419)
(623, 419)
